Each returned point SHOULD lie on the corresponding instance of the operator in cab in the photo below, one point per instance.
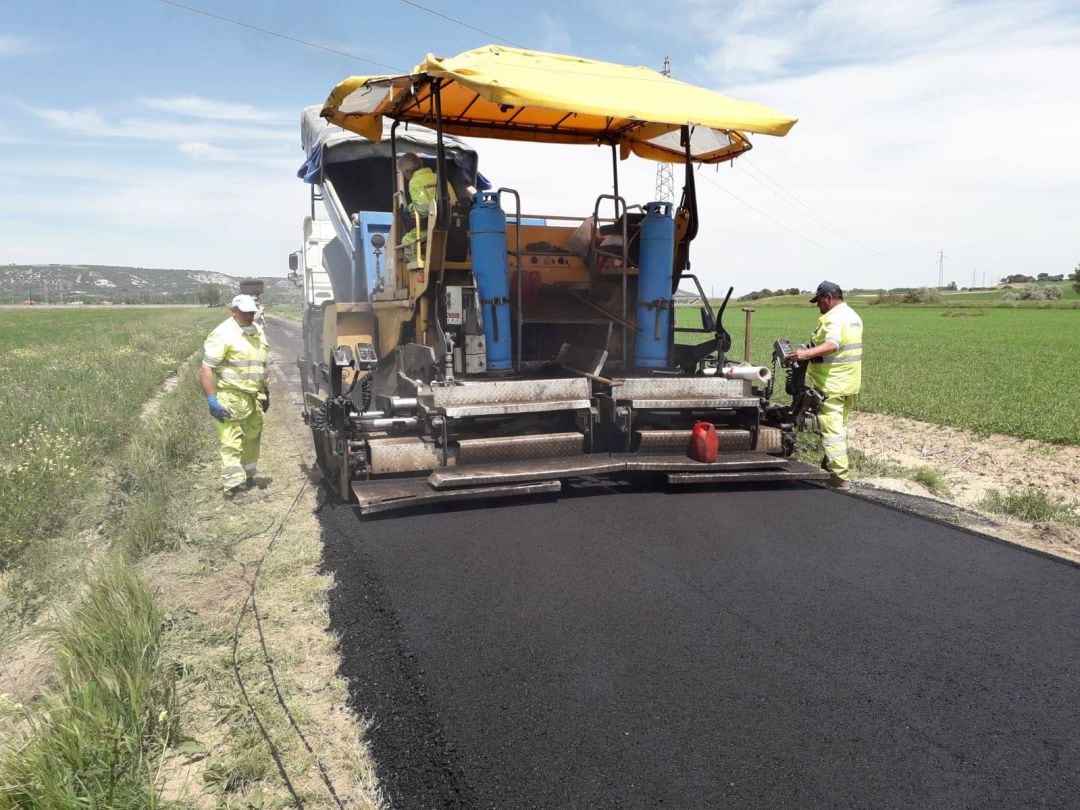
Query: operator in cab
(835, 370)
(234, 376)
(423, 191)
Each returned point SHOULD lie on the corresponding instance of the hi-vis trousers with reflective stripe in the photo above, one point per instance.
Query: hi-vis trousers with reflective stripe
(240, 436)
(832, 419)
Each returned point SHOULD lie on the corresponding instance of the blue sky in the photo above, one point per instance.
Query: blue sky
(140, 133)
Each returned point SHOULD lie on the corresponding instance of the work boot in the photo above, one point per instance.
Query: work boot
(232, 493)
(836, 482)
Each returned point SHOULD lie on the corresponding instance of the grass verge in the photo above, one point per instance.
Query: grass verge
(808, 450)
(73, 384)
(96, 740)
(287, 660)
(98, 737)
(1031, 506)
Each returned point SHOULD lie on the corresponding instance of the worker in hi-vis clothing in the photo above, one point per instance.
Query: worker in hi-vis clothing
(835, 370)
(423, 191)
(236, 357)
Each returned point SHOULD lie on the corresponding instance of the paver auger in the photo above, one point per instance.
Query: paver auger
(462, 347)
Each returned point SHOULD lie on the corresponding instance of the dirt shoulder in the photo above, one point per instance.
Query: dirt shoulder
(294, 721)
(972, 467)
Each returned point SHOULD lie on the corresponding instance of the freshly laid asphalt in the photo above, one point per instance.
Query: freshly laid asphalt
(768, 646)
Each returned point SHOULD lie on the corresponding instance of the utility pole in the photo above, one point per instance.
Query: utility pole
(665, 181)
(941, 269)
(972, 276)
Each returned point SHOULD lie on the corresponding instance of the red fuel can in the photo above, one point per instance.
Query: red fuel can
(704, 443)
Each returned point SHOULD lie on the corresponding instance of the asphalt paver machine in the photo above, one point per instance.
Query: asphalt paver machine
(472, 347)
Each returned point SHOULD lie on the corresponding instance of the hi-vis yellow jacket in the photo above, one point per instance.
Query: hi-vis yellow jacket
(423, 190)
(838, 373)
(239, 361)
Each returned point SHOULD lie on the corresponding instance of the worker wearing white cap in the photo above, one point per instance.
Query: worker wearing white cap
(835, 357)
(236, 357)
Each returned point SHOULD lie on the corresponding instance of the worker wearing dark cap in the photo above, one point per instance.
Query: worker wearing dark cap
(835, 370)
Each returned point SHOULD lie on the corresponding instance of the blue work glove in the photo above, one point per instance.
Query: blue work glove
(217, 410)
(265, 401)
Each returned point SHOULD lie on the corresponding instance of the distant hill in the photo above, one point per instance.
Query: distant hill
(95, 283)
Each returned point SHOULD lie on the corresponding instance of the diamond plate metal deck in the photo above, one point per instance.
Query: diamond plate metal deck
(792, 471)
(665, 442)
(554, 469)
(519, 448)
(403, 454)
(402, 493)
(669, 442)
(647, 388)
(724, 462)
(498, 397)
(517, 471)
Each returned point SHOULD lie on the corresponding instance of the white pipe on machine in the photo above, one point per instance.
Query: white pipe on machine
(752, 373)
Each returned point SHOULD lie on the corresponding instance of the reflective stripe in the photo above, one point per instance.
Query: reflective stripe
(839, 373)
(230, 376)
(227, 471)
(832, 358)
(833, 440)
(833, 455)
(243, 364)
(251, 467)
(212, 362)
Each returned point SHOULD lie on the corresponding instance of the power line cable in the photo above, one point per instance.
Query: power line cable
(458, 22)
(607, 22)
(799, 205)
(774, 220)
(462, 24)
(397, 70)
(287, 37)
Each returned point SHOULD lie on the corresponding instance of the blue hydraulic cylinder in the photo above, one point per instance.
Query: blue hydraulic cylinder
(654, 286)
(487, 236)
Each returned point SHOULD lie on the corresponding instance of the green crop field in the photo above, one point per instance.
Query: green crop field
(74, 381)
(1070, 299)
(1010, 371)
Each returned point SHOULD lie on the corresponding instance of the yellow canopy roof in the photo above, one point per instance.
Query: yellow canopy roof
(511, 94)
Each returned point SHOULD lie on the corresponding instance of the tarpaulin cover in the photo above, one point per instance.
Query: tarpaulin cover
(326, 144)
(512, 94)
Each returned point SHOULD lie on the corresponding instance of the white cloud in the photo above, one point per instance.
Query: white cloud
(785, 37)
(959, 143)
(752, 55)
(90, 122)
(234, 219)
(215, 109)
(927, 126)
(275, 159)
(11, 45)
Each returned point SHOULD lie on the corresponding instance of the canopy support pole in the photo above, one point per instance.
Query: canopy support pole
(442, 212)
(393, 160)
(688, 208)
(625, 311)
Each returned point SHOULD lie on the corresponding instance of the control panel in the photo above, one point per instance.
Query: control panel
(465, 324)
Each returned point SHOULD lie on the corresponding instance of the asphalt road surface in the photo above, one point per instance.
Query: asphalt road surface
(768, 646)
